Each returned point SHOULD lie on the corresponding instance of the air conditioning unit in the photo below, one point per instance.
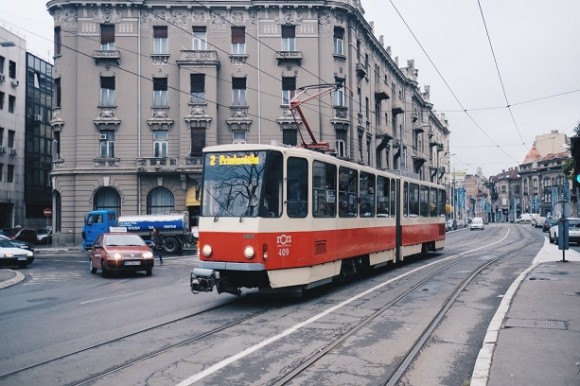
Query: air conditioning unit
(103, 137)
(2, 78)
(12, 151)
(37, 117)
(2, 149)
(15, 83)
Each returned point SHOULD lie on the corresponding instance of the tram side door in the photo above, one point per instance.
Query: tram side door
(398, 215)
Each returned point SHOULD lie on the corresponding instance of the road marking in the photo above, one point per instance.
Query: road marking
(220, 365)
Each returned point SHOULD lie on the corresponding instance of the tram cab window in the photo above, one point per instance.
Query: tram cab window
(367, 194)
(383, 191)
(297, 187)
(413, 200)
(441, 199)
(323, 189)
(347, 192)
(433, 202)
(271, 204)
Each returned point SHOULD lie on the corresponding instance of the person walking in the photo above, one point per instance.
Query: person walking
(157, 240)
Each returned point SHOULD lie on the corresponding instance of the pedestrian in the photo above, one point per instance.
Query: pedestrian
(157, 240)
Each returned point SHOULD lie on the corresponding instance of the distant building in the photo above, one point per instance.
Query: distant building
(25, 135)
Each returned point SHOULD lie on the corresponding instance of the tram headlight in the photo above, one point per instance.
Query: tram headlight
(249, 252)
(206, 250)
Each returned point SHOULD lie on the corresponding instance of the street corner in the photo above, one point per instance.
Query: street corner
(9, 277)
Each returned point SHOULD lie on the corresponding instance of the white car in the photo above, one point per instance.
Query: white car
(573, 231)
(476, 223)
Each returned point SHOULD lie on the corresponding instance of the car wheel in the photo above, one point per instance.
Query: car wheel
(91, 266)
(104, 270)
(149, 272)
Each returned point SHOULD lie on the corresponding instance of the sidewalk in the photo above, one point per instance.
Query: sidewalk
(534, 337)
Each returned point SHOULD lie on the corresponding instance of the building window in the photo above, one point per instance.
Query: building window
(239, 136)
(1, 136)
(339, 92)
(288, 89)
(160, 200)
(11, 135)
(2, 64)
(239, 91)
(107, 91)
(107, 37)
(57, 41)
(288, 38)
(57, 92)
(197, 84)
(10, 176)
(160, 92)
(160, 144)
(12, 69)
(197, 141)
(341, 143)
(290, 137)
(199, 38)
(11, 103)
(1, 172)
(338, 41)
(238, 40)
(107, 144)
(1, 100)
(160, 43)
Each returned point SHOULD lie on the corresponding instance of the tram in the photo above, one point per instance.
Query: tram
(289, 218)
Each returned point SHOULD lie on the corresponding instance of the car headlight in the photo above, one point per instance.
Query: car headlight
(147, 255)
(115, 256)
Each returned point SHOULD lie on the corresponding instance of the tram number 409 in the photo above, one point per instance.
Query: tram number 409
(283, 252)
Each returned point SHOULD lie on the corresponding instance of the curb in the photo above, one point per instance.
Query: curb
(15, 280)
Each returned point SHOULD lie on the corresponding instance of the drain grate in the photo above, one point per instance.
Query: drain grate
(530, 323)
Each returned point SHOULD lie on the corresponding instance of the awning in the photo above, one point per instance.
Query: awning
(448, 208)
(191, 197)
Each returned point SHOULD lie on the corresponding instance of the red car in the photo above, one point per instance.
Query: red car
(120, 252)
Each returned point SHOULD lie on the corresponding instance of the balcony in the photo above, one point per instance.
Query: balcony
(106, 162)
(107, 55)
(361, 70)
(156, 164)
(198, 58)
(289, 56)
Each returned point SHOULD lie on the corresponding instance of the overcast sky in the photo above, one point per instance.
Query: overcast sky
(536, 70)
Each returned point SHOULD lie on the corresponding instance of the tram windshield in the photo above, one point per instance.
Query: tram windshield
(242, 184)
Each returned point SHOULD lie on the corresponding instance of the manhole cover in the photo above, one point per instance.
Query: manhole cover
(530, 323)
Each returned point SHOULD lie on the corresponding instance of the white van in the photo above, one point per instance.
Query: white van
(476, 223)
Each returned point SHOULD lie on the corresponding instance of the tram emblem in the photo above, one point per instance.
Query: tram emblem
(283, 240)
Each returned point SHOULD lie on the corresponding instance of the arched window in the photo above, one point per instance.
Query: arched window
(160, 200)
(107, 198)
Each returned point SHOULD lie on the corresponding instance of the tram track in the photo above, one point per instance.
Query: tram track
(139, 332)
(404, 364)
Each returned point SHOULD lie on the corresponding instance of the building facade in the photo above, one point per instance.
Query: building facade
(25, 134)
(141, 88)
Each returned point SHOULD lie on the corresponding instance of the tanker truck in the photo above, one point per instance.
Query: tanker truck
(173, 226)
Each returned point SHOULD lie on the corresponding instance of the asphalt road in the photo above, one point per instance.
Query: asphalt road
(65, 326)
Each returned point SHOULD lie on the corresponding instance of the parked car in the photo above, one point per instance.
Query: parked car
(114, 252)
(525, 218)
(573, 231)
(22, 234)
(18, 243)
(548, 224)
(14, 256)
(44, 236)
(476, 223)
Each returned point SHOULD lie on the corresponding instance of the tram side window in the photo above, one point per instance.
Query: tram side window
(271, 204)
(347, 192)
(383, 191)
(367, 194)
(323, 189)
(433, 202)
(406, 199)
(424, 201)
(413, 200)
(441, 202)
(297, 188)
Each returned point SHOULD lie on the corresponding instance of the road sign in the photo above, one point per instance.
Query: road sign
(47, 212)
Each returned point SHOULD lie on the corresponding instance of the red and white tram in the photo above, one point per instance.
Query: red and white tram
(290, 218)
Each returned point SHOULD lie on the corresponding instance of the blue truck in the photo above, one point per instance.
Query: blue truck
(173, 226)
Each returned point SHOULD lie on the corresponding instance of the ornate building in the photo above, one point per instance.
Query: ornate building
(142, 87)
